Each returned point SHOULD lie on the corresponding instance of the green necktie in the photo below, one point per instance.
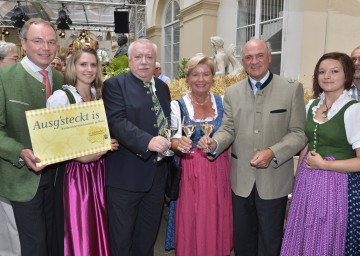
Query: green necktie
(160, 118)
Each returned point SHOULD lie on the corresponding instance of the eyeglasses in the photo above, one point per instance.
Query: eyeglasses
(12, 58)
(41, 42)
(354, 59)
(55, 64)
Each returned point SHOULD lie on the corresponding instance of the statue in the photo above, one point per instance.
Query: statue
(123, 48)
(236, 65)
(223, 59)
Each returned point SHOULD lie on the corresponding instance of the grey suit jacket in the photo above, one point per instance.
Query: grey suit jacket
(274, 119)
(19, 92)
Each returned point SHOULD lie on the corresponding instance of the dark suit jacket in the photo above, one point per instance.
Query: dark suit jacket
(19, 92)
(133, 123)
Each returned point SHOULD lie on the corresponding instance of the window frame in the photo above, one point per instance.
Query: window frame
(257, 24)
(171, 61)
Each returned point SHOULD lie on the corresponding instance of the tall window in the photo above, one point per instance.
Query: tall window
(171, 40)
(261, 19)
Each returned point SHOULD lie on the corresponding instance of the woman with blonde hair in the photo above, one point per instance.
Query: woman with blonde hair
(85, 229)
(203, 219)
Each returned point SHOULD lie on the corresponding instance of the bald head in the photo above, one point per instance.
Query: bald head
(258, 42)
(256, 58)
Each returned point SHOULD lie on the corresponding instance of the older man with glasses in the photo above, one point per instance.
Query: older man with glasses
(355, 88)
(25, 86)
(8, 53)
(9, 237)
(158, 74)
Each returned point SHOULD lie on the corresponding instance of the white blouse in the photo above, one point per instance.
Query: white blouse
(351, 116)
(60, 98)
(176, 114)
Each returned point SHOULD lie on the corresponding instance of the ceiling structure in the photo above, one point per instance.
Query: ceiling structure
(95, 15)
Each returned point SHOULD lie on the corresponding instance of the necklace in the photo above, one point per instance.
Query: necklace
(324, 114)
(83, 99)
(198, 103)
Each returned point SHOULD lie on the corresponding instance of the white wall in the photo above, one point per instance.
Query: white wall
(226, 26)
(292, 43)
(311, 28)
(329, 25)
(149, 10)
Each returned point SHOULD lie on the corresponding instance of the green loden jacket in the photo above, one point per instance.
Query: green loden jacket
(19, 92)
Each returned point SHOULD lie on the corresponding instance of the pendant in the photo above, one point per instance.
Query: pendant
(324, 114)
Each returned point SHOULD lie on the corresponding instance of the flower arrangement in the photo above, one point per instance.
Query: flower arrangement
(307, 95)
(178, 88)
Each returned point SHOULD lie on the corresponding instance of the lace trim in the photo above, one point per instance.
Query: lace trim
(337, 105)
(190, 107)
(77, 96)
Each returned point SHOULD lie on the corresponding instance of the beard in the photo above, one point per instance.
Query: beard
(357, 75)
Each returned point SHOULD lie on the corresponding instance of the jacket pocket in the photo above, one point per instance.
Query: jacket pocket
(278, 111)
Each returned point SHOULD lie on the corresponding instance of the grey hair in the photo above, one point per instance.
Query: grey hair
(356, 48)
(141, 41)
(58, 58)
(5, 48)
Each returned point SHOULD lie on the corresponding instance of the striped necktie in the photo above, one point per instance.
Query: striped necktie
(160, 118)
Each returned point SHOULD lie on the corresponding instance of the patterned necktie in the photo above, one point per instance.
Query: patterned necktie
(46, 82)
(160, 118)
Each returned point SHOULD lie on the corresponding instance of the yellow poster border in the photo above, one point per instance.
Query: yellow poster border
(83, 149)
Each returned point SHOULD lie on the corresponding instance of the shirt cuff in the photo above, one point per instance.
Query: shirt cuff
(213, 153)
(275, 160)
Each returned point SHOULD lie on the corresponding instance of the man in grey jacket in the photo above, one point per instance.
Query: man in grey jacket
(264, 118)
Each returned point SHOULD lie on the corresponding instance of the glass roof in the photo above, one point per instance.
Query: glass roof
(88, 15)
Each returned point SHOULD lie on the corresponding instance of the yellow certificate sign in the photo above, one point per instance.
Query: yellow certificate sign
(67, 132)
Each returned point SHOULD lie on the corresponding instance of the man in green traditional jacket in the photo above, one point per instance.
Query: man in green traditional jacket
(26, 86)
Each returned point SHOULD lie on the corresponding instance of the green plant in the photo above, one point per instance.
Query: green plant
(118, 65)
(181, 68)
